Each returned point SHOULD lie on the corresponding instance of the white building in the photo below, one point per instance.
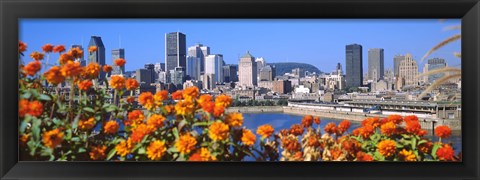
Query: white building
(247, 71)
(302, 90)
(214, 65)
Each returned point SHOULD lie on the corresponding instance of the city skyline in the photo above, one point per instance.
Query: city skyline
(231, 56)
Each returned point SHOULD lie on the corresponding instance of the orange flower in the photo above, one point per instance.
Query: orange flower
(388, 128)
(203, 154)
(54, 76)
(92, 49)
(374, 122)
(185, 107)
(130, 99)
(443, 131)
(124, 147)
(316, 120)
(161, 96)
(59, 49)
(92, 71)
(191, 92)
(86, 125)
(24, 138)
(397, 119)
(234, 119)
(366, 131)
(361, 156)
(35, 108)
(445, 153)
(32, 68)
(413, 127)
(107, 68)
(307, 121)
(71, 69)
(265, 130)
(156, 150)
(411, 118)
(47, 48)
(146, 100)
(85, 85)
(98, 152)
(52, 138)
(330, 128)
(218, 131)
(208, 106)
(313, 141)
(131, 84)
(22, 47)
(343, 127)
(407, 155)
(204, 98)
(177, 95)
(37, 56)
(64, 58)
(117, 82)
(387, 147)
(248, 138)
(136, 116)
(111, 127)
(75, 52)
(296, 129)
(223, 100)
(291, 144)
(156, 121)
(426, 147)
(218, 110)
(23, 107)
(139, 132)
(185, 144)
(169, 109)
(119, 62)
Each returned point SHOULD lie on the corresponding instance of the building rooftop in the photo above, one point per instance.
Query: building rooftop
(247, 55)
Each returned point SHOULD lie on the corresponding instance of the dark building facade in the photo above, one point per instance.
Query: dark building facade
(396, 64)
(99, 55)
(230, 73)
(354, 65)
(375, 64)
(175, 51)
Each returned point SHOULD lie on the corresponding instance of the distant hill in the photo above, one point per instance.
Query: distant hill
(284, 67)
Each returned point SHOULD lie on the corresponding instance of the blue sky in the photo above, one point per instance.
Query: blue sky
(320, 42)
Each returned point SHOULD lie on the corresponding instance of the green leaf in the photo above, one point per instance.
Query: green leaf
(434, 150)
(89, 109)
(141, 150)
(172, 150)
(75, 139)
(422, 141)
(182, 124)
(44, 97)
(57, 122)
(75, 121)
(414, 143)
(175, 133)
(22, 127)
(200, 124)
(111, 108)
(111, 153)
(82, 150)
(36, 129)
(26, 95)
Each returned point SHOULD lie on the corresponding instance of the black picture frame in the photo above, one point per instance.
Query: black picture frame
(12, 10)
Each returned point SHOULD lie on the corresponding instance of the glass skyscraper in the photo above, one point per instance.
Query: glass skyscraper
(354, 66)
(99, 55)
(175, 51)
(375, 64)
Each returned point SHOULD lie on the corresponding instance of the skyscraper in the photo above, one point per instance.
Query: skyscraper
(375, 64)
(193, 67)
(247, 70)
(81, 59)
(199, 51)
(396, 63)
(432, 64)
(116, 54)
(354, 65)
(99, 55)
(214, 65)
(175, 50)
(177, 77)
(408, 70)
(267, 73)
(230, 73)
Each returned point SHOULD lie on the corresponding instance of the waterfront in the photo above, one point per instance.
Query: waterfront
(284, 121)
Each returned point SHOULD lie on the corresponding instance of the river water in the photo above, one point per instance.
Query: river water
(284, 121)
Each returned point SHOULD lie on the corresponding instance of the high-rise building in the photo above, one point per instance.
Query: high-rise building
(260, 64)
(199, 51)
(214, 65)
(116, 54)
(193, 67)
(247, 70)
(175, 51)
(144, 76)
(375, 64)
(432, 64)
(230, 73)
(408, 70)
(177, 77)
(80, 59)
(151, 68)
(354, 65)
(267, 73)
(97, 56)
(396, 63)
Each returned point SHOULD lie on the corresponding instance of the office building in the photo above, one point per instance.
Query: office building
(247, 70)
(199, 51)
(97, 56)
(175, 51)
(193, 67)
(116, 54)
(396, 63)
(354, 65)
(375, 64)
(432, 64)
(267, 73)
(214, 65)
(230, 73)
(408, 70)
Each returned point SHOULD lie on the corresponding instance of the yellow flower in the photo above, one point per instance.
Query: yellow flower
(156, 121)
(234, 119)
(98, 153)
(146, 100)
(218, 131)
(186, 144)
(52, 138)
(185, 107)
(156, 150)
(161, 96)
(407, 155)
(91, 71)
(265, 130)
(117, 82)
(223, 100)
(191, 93)
(387, 147)
(86, 125)
(124, 147)
(248, 138)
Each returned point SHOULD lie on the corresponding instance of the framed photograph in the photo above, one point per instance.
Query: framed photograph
(239, 89)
